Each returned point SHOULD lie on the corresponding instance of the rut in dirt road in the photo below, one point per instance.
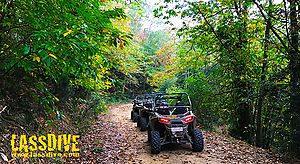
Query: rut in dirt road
(114, 138)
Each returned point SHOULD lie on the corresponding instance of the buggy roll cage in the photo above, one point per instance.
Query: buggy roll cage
(160, 96)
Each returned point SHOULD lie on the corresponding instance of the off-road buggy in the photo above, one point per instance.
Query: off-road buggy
(143, 117)
(137, 104)
(172, 121)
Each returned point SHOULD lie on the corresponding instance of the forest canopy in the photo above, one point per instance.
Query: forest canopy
(239, 60)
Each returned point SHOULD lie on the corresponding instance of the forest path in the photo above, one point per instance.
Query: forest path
(114, 138)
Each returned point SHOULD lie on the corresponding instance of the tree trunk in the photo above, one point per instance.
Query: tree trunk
(258, 140)
(242, 106)
(294, 67)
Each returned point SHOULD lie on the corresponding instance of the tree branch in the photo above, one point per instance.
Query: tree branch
(272, 28)
(212, 29)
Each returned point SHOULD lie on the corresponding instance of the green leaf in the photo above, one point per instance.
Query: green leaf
(26, 49)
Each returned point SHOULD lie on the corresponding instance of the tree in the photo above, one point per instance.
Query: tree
(262, 91)
(56, 51)
(246, 54)
(294, 67)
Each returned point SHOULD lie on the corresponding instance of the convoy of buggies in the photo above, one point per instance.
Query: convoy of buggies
(167, 118)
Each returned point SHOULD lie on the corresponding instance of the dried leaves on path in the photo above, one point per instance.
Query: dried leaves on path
(114, 138)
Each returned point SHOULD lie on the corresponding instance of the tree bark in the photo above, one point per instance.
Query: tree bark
(294, 67)
(242, 106)
(258, 139)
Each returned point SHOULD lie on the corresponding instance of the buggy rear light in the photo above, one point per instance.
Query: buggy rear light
(164, 120)
(188, 119)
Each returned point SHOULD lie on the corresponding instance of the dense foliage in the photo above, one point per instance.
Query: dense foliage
(239, 60)
(60, 59)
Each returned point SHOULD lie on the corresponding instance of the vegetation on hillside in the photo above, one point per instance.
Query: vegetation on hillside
(239, 60)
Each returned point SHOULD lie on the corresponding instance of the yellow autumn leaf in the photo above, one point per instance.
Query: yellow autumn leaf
(53, 56)
(108, 83)
(67, 32)
(36, 58)
(57, 100)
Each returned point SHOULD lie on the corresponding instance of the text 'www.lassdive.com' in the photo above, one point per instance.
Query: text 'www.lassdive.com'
(50, 145)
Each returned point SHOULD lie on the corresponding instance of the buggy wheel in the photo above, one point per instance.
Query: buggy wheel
(198, 141)
(131, 115)
(135, 117)
(143, 124)
(149, 134)
(138, 120)
(155, 142)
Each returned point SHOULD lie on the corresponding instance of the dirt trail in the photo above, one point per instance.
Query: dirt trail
(171, 154)
(114, 138)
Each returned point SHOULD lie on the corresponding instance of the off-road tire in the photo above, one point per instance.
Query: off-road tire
(138, 121)
(149, 134)
(143, 124)
(135, 116)
(131, 115)
(198, 141)
(155, 142)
